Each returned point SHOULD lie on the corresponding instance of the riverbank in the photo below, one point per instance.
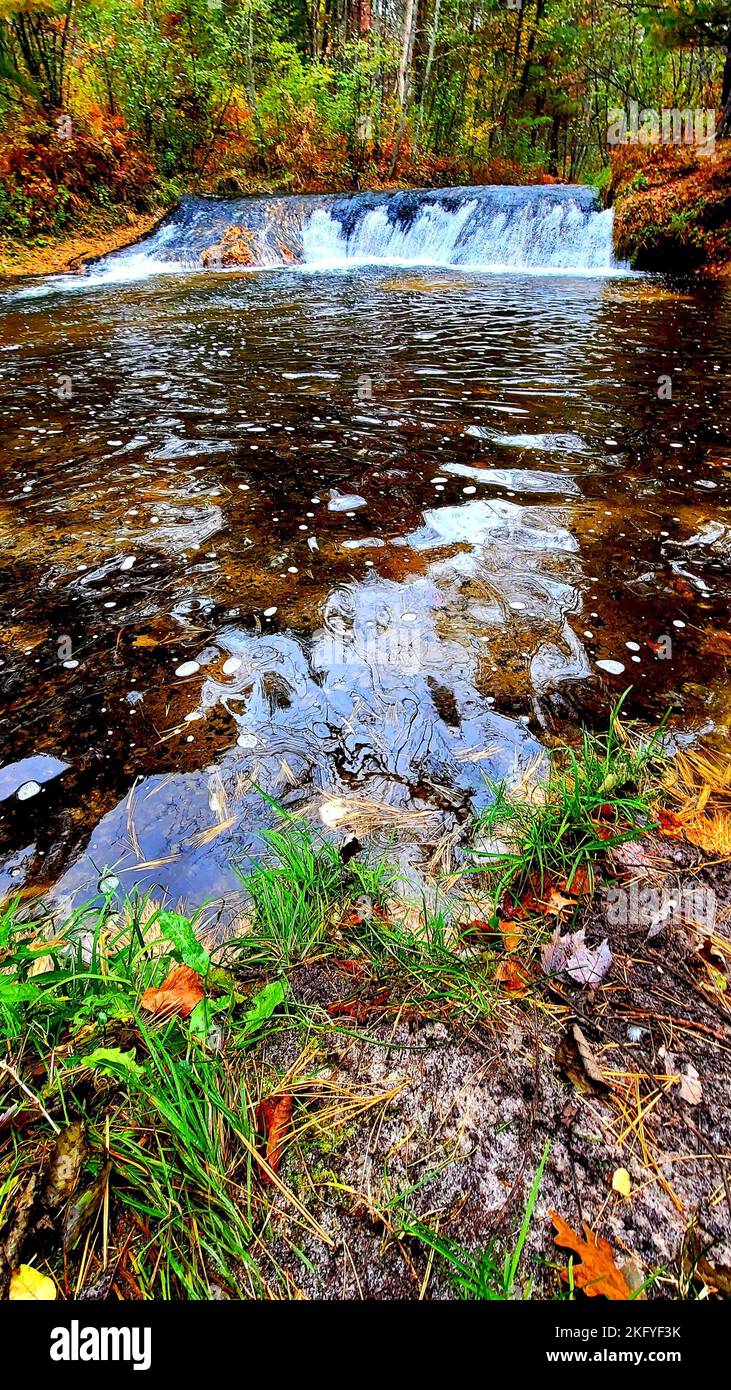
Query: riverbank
(673, 209)
(94, 237)
(355, 1096)
(672, 214)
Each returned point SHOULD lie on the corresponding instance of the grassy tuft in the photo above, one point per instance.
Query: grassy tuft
(596, 796)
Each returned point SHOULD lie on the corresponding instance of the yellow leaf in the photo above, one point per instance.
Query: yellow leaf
(621, 1182)
(28, 1285)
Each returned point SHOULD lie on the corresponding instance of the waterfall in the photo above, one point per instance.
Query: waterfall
(544, 228)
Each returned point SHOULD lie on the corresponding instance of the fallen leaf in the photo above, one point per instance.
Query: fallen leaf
(81, 1212)
(634, 1277)
(478, 926)
(670, 824)
(13, 1242)
(691, 1089)
(577, 1061)
(512, 935)
(273, 1119)
(632, 856)
(579, 883)
(64, 1167)
(178, 994)
(621, 1182)
(28, 1285)
(556, 904)
(569, 955)
(513, 978)
(597, 1274)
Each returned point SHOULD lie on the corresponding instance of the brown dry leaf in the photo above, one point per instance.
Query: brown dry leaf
(691, 1088)
(13, 1243)
(670, 824)
(557, 904)
(273, 1120)
(581, 883)
(513, 978)
(577, 1061)
(597, 1274)
(178, 994)
(512, 935)
(84, 1209)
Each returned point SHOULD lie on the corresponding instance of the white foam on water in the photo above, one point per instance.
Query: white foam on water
(541, 230)
(537, 235)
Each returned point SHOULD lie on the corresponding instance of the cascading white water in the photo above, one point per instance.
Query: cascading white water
(544, 229)
(480, 232)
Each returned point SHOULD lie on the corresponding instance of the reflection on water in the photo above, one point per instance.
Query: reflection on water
(354, 536)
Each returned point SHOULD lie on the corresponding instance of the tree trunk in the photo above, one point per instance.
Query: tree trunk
(724, 124)
(427, 75)
(404, 78)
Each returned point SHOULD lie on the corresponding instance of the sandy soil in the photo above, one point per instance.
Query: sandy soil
(70, 253)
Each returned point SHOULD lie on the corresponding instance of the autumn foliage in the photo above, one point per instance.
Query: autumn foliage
(51, 172)
(673, 207)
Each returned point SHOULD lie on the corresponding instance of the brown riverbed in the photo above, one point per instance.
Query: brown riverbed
(362, 533)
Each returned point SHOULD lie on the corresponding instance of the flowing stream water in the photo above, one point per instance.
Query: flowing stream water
(358, 525)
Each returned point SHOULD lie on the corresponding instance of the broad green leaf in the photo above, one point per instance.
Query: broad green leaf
(262, 1006)
(199, 1023)
(13, 993)
(111, 1061)
(180, 930)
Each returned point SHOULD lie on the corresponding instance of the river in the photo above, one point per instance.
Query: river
(359, 526)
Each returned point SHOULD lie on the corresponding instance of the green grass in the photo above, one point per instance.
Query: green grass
(424, 964)
(298, 885)
(596, 796)
(169, 1107)
(489, 1275)
(169, 1113)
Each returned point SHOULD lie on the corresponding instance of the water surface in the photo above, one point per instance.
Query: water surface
(360, 534)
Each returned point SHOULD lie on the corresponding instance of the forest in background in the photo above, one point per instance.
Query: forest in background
(134, 101)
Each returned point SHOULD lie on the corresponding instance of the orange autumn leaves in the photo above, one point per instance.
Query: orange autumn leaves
(179, 993)
(273, 1122)
(538, 902)
(597, 1275)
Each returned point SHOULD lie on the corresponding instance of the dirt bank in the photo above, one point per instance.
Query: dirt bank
(673, 209)
(57, 256)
